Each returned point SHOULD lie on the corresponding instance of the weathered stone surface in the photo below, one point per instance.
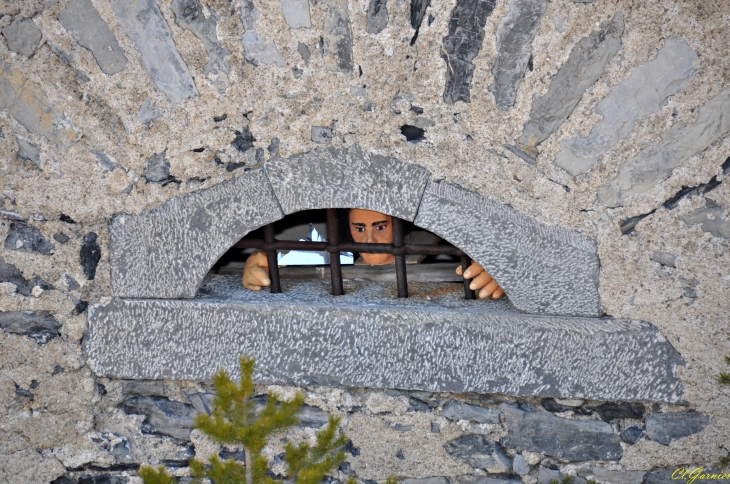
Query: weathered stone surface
(462, 45)
(656, 162)
(322, 135)
(83, 21)
(39, 325)
(377, 16)
(309, 416)
(611, 411)
(189, 15)
(258, 50)
(162, 416)
(545, 475)
(514, 48)
(427, 480)
(585, 65)
(712, 220)
(487, 480)
(631, 435)
(618, 477)
(29, 152)
(464, 411)
(520, 466)
(143, 388)
(637, 97)
(347, 177)
(10, 273)
(143, 22)
(664, 258)
(151, 254)
(22, 36)
(26, 238)
(665, 427)
(90, 255)
(28, 104)
(337, 37)
(368, 338)
(543, 270)
(304, 52)
(418, 12)
(296, 13)
(105, 161)
(480, 452)
(158, 169)
(571, 440)
(148, 112)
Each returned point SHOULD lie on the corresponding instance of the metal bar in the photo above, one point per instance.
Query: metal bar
(400, 260)
(275, 287)
(333, 237)
(351, 247)
(465, 263)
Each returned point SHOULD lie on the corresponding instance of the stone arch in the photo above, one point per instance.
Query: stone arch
(166, 252)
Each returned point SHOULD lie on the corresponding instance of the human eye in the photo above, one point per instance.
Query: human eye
(360, 229)
(380, 227)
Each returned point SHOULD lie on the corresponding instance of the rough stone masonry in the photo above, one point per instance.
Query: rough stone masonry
(602, 119)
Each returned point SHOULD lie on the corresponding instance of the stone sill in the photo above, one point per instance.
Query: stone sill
(432, 341)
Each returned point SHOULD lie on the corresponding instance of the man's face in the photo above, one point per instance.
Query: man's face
(372, 228)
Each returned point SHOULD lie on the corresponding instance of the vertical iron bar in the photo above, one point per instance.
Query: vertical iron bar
(333, 238)
(465, 263)
(275, 287)
(400, 260)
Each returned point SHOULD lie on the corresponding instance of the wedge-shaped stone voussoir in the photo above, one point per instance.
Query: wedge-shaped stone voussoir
(542, 269)
(347, 178)
(166, 252)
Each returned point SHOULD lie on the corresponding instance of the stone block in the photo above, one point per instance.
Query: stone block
(585, 65)
(89, 30)
(487, 480)
(26, 238)
(711, 219)
(158, 169)
(105, 161)
(322, 135)
(618, 477)
(464, 411)
(634, 99)
(144, 24)
(369, 338)
(546, 475)
(10, 273)
(543, 270)
(480, 452)
(520, 466)
(461, 45)
(23, 36)
(29, 152)
(148, 111)
(189, 16)
(656, 162)
(337, 37)
(377, 16)
(347, 178)
(427, 480)
(304, 53)
(570, 440)
(631, 435)
(514, 48)
(664, 258)
(143, 388)
(38, 325)
(29, 105)
(665, 427)
(162, 416)
(296, 13)
(258, 50)
(89, 255)
(611, 411)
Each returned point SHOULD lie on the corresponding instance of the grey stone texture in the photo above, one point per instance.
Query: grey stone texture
(148, 111)
(144, 24)
(464, 411)
(520, 465)
(631, 435)
(23, 36)
(29, 152)
(514, 48)
(656, 162)
(487, 480)
(322, 135)
(585, 65)
(150, 253)
(26, 238)
(618, 477)
(347, 177)
(543, 270)
(480, 452)
(546, 475)
(664, 258)
(427, 480)
(711, 219)
(570, 440)
(368, 338)
(89, 255)
(337, 37)
(158, 169)
(304, 52)
(162, 416)
(41, 326)
(296, 13)
(11, 274)
(611, 411)
(665, 427)
(83, 21)
(377, 16)
(105, 161)
(462, 45)
(189, 16)
(634, 99)
(258, 50)
(29, 105)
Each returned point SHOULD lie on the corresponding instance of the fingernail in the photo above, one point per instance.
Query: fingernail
(472, 286)
(467, 274)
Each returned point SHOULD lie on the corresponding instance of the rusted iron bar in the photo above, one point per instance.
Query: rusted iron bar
(465, 263)
(333, 238)
(418, 249)
(400, 259)
(275, 286)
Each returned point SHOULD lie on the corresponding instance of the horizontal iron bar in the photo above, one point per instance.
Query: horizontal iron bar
(417, 249)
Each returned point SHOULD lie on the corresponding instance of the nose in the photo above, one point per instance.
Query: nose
(369, 232)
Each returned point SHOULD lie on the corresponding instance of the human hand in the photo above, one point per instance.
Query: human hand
(482, 282)
(256, 271)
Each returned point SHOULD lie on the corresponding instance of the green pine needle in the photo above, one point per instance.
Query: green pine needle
(150, 475)
(724, 462)
(723, 378)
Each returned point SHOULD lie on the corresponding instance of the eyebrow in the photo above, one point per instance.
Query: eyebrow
(359, 224)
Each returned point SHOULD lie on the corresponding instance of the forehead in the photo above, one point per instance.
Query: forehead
(367, 217)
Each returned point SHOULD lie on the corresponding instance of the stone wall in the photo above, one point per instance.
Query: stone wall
(607, 118)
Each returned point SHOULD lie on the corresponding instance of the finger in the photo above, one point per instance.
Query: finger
(458, 271)
(498, 293)
(251, 286)
(473, 270)
(256, 276)
(480, 281)
(488, 289)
